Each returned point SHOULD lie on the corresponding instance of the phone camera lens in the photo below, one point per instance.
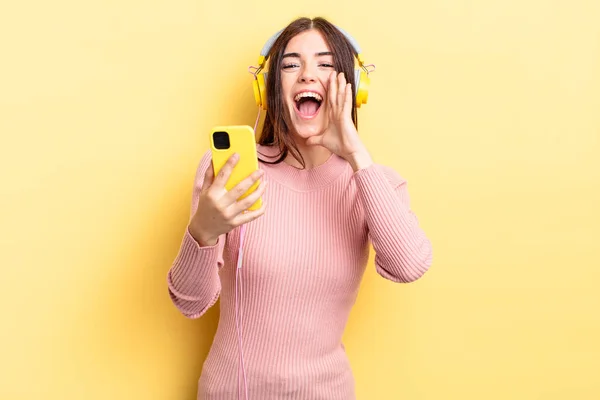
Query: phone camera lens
(221, 140)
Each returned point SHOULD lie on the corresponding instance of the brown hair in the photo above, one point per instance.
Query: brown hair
(278, 128)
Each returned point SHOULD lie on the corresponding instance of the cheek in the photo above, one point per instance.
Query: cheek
(325, 82)
(287, 83)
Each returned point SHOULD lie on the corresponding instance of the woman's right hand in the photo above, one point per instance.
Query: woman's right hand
(219, 210)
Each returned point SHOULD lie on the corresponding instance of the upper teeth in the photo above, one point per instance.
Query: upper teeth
(308, 94)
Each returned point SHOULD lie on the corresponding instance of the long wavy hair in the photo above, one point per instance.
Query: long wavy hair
(278, 129)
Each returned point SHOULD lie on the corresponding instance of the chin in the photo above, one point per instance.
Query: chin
(305, 131)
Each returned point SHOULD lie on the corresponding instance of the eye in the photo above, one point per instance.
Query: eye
(326, 65)
(288, 66)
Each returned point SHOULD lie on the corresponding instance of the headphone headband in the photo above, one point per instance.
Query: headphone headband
(267, 47)
(269, 44)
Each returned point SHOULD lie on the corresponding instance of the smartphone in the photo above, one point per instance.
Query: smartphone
(227, 140)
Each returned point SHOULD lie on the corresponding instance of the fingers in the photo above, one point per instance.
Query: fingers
(331, 95)
(240, 210)
(249, 216)
(241, 188)
(225, 172)
(349, 95)
(249, 200)
(341, 93)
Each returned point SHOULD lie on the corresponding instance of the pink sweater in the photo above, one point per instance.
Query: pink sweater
(302, 266)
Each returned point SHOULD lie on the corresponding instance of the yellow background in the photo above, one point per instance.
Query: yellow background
(490, 109)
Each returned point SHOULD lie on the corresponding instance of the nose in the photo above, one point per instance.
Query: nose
(307, 75)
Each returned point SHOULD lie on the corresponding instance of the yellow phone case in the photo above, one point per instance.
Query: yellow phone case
(241, 141)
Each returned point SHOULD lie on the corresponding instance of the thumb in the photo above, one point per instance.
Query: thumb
(315, 140)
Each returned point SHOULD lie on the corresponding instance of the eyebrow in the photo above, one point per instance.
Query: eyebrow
(297, 55)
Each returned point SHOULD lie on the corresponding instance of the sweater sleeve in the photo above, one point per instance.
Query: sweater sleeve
(193, 279)
(403, 253)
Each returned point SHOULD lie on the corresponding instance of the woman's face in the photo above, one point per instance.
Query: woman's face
(305, 69)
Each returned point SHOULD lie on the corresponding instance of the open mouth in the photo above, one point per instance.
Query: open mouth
(308, 104)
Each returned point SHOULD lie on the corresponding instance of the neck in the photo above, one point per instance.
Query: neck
(313, 155)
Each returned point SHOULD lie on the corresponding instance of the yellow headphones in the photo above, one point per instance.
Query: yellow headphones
(361, 73)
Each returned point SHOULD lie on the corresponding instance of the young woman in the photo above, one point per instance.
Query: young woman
(306, 249)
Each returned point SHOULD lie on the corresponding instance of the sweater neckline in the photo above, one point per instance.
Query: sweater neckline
(301, 179)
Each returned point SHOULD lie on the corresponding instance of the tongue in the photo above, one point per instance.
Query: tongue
(308, 107)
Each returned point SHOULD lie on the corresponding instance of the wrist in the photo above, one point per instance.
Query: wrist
(202, 239)
(360, 160)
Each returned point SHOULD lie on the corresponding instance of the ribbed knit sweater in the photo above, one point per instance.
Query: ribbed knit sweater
(303, 262)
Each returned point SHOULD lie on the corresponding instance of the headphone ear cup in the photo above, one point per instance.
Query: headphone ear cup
(256, 90)
(260, 90)
(362, 87)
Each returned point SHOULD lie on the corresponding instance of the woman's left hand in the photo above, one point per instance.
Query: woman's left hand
(340, 136)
